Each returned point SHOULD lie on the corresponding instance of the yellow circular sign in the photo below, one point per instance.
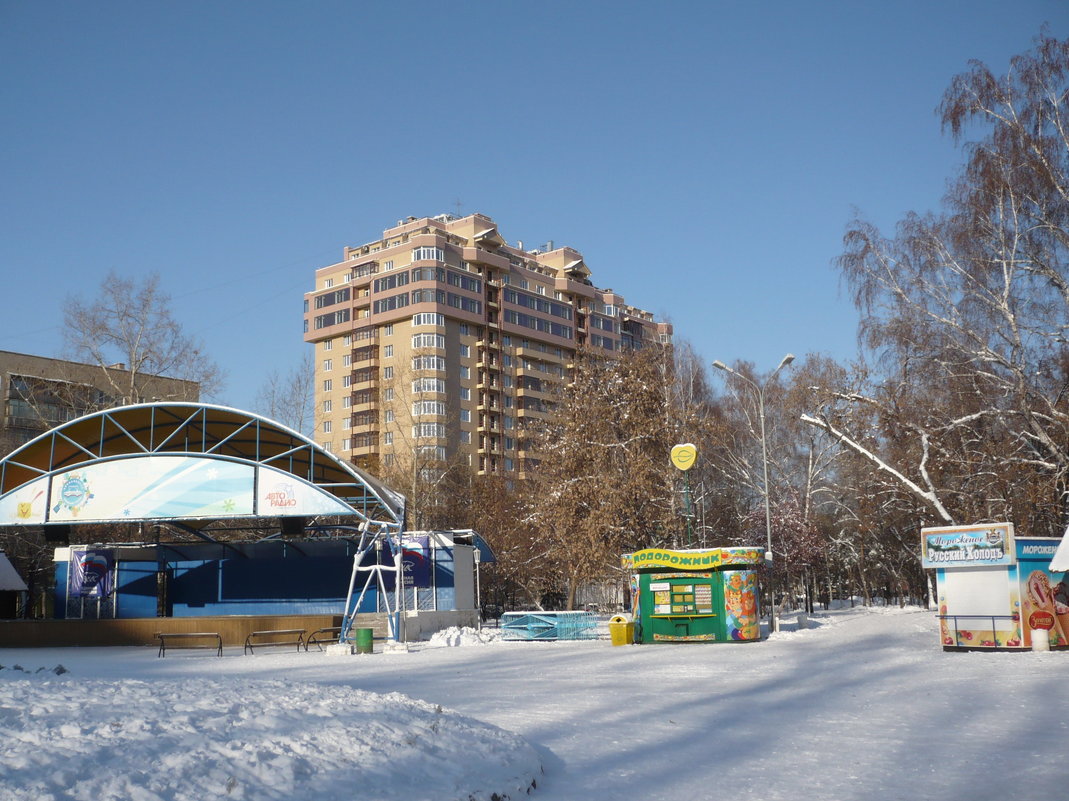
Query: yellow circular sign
(683, 456)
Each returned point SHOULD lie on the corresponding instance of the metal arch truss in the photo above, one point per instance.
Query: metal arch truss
(208, 431)
(374, 579)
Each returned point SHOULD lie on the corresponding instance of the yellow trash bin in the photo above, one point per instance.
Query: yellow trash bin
(621, 630)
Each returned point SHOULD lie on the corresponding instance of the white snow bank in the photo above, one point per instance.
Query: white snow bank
(466, 635)
(93, 740)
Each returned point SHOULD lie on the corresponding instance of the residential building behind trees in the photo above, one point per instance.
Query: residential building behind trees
(435, 344)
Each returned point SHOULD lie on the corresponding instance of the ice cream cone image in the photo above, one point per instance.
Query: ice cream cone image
(1041, 599)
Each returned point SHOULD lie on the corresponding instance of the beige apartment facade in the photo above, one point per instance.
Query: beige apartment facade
(435, 345)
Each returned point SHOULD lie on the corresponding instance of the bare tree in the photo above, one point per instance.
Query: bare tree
(966, 313)
(602, 484)
(130, 333)
(289, 397)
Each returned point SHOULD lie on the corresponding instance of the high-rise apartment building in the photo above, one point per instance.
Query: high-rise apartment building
(435, 344)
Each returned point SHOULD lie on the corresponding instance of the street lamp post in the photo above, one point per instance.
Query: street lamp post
(773, 623)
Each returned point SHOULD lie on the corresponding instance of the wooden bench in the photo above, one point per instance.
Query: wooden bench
(202, 640)
(320, 636)
(261, 638)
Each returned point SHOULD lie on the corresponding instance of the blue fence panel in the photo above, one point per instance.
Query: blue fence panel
(549, 626)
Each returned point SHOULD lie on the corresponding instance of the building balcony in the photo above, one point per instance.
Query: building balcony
(364, 377)
(542, 392)
(533, 414)
(364, 405)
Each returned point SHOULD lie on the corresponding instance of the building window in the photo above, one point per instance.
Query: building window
(328, 345)
(328, 365)
(428, 318)
(426, 252)
(387, 351)
(387, 438)
(347, 423)
(435, 452)
(328, 406)
(346, 444)
(387, 394)
(420, 408)
(465, 393)
(387, 373)
(347, 402)
(328, 446)
(346, 380)
(328, 283)
(464, 330)
(509, 463)
(428, 363)
(428, 385)
(387, 330)
(389, 418)
(465, 437)
(465, 415)
(428, 430)
(387, 265)
(328, 385)
(347, 339)
(428, 341)
(465, 372)
(465, 350)
(327, 426)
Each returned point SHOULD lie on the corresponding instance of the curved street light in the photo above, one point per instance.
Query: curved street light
(759, 389)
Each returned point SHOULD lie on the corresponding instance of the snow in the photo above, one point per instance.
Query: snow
(863, 704)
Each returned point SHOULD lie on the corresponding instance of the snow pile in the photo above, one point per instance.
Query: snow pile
(64, 738)
(456, 635)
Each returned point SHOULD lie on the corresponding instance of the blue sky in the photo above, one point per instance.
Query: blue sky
(704, 156)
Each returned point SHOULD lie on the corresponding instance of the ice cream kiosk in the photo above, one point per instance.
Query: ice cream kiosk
(707, 595)
(995, 590)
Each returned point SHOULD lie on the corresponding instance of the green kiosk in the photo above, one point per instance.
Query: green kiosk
(707, 595)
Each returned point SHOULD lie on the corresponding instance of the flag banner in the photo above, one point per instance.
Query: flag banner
(91, 573)
(415, 561)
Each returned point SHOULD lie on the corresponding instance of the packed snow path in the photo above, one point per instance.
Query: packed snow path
(865, 705)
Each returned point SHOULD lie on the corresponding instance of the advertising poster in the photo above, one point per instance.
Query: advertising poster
(281, 494)
(1044, 595)
(968, 546)
(740, 604)
(91, 573)
(153, 487)
(26, 504)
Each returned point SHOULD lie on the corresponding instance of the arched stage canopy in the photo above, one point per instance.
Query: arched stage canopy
(184, 462)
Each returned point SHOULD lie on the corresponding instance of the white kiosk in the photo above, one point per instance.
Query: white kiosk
(996, 590)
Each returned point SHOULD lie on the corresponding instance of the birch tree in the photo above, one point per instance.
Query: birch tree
(289, 397)
(131, 335)
(965, 314)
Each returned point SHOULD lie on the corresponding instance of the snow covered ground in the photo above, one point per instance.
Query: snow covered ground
(863, 705)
